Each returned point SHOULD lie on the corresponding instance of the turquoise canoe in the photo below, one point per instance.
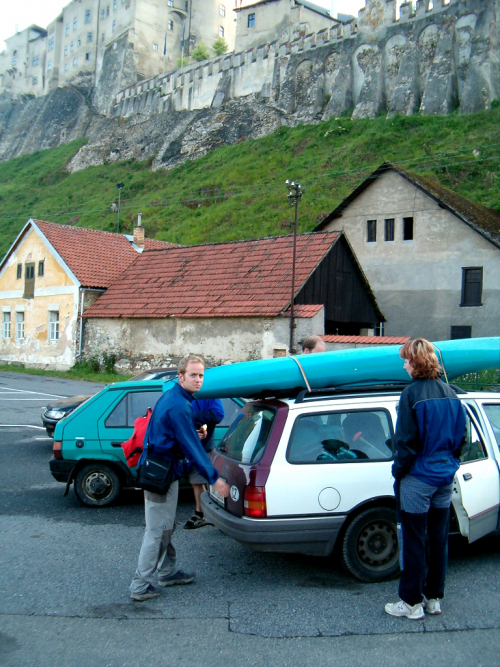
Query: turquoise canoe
(342, 367)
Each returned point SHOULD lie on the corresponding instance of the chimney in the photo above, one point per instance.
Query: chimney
(139, 233)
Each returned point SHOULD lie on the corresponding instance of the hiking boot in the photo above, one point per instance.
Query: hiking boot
(196, 521)
(178, 578)
(432, 606)
(150, 592)
(415, 613)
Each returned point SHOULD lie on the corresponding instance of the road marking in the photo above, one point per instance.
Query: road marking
(41, 428)
(47, 438)
(40, 393)
(22, 399)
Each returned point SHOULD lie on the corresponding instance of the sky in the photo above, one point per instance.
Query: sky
(42, 12)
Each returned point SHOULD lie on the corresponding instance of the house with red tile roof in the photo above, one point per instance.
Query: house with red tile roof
(432, 256)
(49, 275)
(230, 301)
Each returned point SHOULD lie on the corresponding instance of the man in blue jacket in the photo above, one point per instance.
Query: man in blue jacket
(429, 435)
(171, 435)
(208, 412)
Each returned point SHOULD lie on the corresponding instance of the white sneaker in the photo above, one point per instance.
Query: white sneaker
(415, 613)
(432, 606)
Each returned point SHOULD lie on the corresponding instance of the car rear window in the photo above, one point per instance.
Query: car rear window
(246, 439)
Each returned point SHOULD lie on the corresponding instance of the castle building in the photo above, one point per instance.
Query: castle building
(75, 44)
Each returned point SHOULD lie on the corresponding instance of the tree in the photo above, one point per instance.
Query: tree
(201, 52)
(220, 46)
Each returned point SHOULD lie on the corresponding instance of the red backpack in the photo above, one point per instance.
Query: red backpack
(132, 448)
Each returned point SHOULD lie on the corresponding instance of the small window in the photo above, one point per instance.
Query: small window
(133, 405)
(407, 229)
(65, 50)
(371, 231)
(103, 37)
(49, 65)
(460, 332)
(170, 24)
(29, 281)
(389, 229)
(53, 325)
(79, 41)
(493, 414)
(75, 24)
(472, 286)
(113, 27)
(36, 60)
(170, 3)
(66, 66)
(74, 62)
(186, 5)
(114, 4)
(34, 80)
(89, 37)
(19, 271)
(155, 46)
(14, 60)
(350, 436)
(222, 10)
(20, 326)
(72, 46)
(51, 44)
(107, 10)
(6, 325)
(247, 437)
(88, 56)
(221, 31)
(103, 13)
(473, 449)
(41, 268)
(87, 16)
(67, 29)
(251, 20)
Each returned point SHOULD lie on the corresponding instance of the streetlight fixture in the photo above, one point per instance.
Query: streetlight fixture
(294, 196)
(120, 187)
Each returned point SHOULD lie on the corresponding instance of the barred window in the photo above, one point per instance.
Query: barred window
(371, 231)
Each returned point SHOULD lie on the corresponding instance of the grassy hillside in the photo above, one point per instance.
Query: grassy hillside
(239, 191)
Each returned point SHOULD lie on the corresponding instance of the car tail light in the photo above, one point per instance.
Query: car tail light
(57, 449)
(254, 502)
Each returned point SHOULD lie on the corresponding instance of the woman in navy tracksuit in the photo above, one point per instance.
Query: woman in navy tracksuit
(429, 435)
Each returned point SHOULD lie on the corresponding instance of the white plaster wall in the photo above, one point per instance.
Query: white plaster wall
(418, 283)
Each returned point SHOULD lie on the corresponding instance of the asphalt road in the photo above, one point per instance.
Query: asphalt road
(65, 571)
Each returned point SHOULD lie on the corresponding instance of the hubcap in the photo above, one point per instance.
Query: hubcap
(97, 485)
(377, 545)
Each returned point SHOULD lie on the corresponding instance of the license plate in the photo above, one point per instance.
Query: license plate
(215, 495)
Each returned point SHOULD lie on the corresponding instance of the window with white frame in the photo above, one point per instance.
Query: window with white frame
(170, 3)
(20, 326)
(53, 325)
(6, 325)
(155, 46)
(222, 10)
(170, 24)
(221, 31)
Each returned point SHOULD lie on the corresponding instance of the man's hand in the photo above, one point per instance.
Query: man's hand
(221, 487)
(202, 432)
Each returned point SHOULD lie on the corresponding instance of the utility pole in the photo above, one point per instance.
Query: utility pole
(294, 196)
(120, 187)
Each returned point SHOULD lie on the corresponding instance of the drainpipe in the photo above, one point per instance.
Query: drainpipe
(81, 324)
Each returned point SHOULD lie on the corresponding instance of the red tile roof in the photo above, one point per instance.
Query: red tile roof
(96, 258)
(367, 340)
(240, 279)
(305, 311)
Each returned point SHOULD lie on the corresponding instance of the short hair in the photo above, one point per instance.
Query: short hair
(190, 359)
(420, 353)
(310, 342)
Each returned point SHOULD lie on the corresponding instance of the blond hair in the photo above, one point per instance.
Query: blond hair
(190, 359)
(420, 353)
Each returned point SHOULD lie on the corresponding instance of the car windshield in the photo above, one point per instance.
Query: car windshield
(247, 437)
(154, 375)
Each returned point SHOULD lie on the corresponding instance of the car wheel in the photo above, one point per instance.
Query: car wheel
(370, 547)
(97, 485)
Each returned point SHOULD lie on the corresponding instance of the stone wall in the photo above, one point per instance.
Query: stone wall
(148, 343)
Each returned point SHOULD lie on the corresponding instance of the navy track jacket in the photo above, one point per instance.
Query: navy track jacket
(172, 435)
(429, 433)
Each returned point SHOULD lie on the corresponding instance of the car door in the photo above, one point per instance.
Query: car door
(117, 424)
(476, 488)
(332, 461)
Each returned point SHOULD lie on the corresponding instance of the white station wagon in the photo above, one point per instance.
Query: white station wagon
(312, 475)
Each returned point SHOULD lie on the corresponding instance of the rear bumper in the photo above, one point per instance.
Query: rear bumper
(61, 470)
(314, 536)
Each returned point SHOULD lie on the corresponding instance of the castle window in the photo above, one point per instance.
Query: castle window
(6, 325)
(371, 231)
(72, 46)
(251, 20)
(79, 41)
(103, 13)
(67, 28)
(222, 10)
(75, 23)
(170, 24)
(170, 3)
(221, 31)
(65, 50)
(35, 81)
(88, 56)
(113, 27)
(107, 10)
(89, 37)
(36, 60)
(14, 58)
(51, 44)
(103, 37)
(389, 229)
(49, 65)
(87, 16)
(155, 46)
(41, 268)
(407, 229)
(114, 4)
(74, 62)
(66, 66)
(472, 286)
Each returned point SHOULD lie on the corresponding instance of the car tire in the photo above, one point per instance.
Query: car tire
(97, 485)
(370, 547)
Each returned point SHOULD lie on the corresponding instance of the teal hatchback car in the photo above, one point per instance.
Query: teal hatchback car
(87, 444)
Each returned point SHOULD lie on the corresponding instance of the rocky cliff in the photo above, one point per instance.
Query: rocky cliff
(434, 60)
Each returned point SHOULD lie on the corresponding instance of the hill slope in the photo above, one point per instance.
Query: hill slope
(238, 192)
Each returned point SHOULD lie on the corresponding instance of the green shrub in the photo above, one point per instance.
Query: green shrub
(220, 46)
(108, 362)
(201, 52)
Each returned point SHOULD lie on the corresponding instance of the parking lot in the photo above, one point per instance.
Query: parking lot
(66, 570)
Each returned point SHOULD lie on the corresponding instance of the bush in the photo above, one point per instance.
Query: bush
(201, 52)
(220, 46)
(181, 62)
(108, 362)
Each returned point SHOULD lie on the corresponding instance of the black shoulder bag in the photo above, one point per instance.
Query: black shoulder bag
(155, 473)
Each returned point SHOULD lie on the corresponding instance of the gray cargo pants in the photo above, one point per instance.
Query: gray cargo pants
(157, 551)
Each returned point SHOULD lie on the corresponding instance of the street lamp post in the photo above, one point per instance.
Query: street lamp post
(120, 187)
(294, 196)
